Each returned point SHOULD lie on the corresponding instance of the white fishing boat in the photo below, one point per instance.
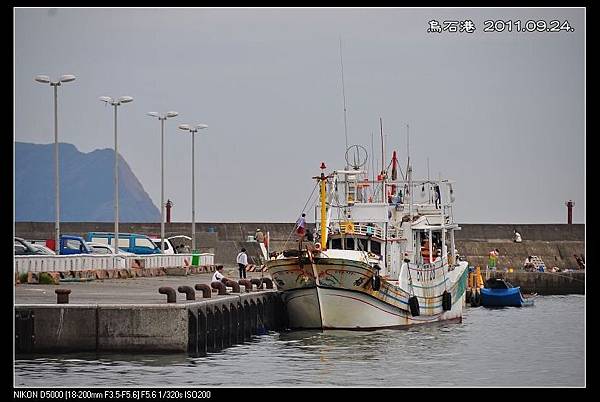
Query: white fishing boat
(384, 255)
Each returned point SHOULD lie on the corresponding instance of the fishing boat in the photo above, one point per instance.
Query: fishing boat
(384, 254)
(497, 292)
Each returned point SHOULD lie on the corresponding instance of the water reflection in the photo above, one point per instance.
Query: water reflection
(540, 346)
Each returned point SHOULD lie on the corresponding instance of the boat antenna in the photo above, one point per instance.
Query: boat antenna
(382, 163)
(428, 184)
(372, 167)
(409, 172)
(344, 95)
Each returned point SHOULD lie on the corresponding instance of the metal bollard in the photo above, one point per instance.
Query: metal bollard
(231, 284)
(62, 296)
(190, 294)
(170, 292)
(247, 284)
(220, 287)
(206, 291)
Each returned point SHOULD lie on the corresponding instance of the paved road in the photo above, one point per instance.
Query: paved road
(119, 291)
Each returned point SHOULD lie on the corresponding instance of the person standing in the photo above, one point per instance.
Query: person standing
(259, 236)
(301, 226)
(493, 259)
(242, 261)
(438, 196)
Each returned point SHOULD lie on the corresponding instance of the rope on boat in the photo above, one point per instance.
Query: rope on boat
(303, 209)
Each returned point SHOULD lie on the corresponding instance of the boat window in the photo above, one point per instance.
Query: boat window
(362, 244)
(336, 244)
(349, 243)
(375, 247)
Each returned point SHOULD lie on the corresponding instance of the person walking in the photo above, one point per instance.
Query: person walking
(242, 261)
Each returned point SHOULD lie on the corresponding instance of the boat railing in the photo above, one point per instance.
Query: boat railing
(369, 230)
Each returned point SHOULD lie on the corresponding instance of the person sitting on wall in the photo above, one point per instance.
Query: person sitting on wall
(517, 237)
(529, 264)
(218, 275)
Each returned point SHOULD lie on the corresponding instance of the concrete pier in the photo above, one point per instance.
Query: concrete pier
(132, 316)
(543, 283)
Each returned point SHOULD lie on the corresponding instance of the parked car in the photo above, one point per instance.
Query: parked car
(23, 247)
(43, 249)
(181, 244)
(169, 249)
(130, 242)
(103, 248)
(69, 244)
(174, 244)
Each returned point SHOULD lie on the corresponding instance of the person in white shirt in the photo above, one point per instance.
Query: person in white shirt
(517, 237)
(242, 261)
(218, 275)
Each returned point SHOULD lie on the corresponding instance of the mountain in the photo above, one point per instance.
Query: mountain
(86, 186)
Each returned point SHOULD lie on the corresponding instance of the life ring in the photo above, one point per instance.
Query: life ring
(317, 246)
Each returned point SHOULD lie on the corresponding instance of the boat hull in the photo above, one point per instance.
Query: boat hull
(503, 298)
(338, 294)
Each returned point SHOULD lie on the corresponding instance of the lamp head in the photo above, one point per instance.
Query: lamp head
(67, 78)
(44, 79)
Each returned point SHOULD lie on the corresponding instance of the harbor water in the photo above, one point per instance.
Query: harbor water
(543, 345)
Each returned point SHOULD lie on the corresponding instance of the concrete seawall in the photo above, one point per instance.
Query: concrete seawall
(544, 283)
(554, 243)
(195, 328)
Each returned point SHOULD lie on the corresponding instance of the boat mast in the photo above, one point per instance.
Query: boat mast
(344, 96)
(443, 250)
(372, 168)
(382, 163)
(322, 183)
(410, 190)
(428, 184)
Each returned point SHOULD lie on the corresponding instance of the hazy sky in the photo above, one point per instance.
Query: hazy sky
(501, 113)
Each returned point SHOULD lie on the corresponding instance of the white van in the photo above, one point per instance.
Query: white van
(173, 243)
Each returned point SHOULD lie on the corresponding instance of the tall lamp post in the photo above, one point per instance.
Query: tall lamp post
(162, 119)
(44, 79)
(115, 103)
(193, 130)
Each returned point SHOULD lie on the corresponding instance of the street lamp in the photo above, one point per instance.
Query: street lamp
(115, 103)
(193, 130)
(162, 119)
(44, 79)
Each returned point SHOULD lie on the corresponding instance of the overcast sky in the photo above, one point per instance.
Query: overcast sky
(500, 113)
